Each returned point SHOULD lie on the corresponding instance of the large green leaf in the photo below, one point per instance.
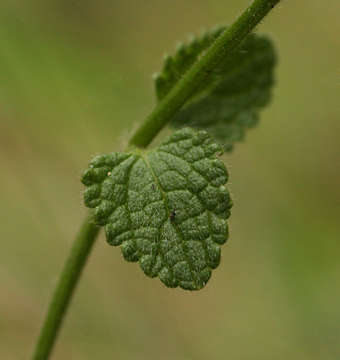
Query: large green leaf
(233, 94)
(167, 207)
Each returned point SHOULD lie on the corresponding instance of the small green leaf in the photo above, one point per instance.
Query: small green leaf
(233, 94)
(167, 208)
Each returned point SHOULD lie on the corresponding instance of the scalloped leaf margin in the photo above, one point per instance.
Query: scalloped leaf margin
(166, 208)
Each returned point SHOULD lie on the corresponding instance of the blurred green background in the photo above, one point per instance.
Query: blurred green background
(75, 80)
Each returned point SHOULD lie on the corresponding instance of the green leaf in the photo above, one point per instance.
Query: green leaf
(230, 100)
(167, 208)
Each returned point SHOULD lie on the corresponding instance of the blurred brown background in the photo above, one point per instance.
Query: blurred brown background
(75, 78)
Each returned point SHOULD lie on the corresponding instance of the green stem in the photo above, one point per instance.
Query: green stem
(182, 91)
(163, 112)
(63, 293)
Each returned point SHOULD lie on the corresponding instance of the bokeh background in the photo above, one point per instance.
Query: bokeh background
(75, 80)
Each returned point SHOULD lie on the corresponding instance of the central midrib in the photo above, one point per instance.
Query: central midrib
(165, 199)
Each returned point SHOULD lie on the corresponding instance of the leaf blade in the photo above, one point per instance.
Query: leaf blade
(167, 207)
(230, 100)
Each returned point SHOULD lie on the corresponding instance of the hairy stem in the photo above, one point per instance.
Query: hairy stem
(66, 285)
(163, 112)
(182, 91)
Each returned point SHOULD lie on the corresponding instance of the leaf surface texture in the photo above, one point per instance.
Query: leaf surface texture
(167, 208)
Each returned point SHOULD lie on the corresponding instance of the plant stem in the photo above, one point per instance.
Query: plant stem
(186, 86)
(67, 283)
(163, 112)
